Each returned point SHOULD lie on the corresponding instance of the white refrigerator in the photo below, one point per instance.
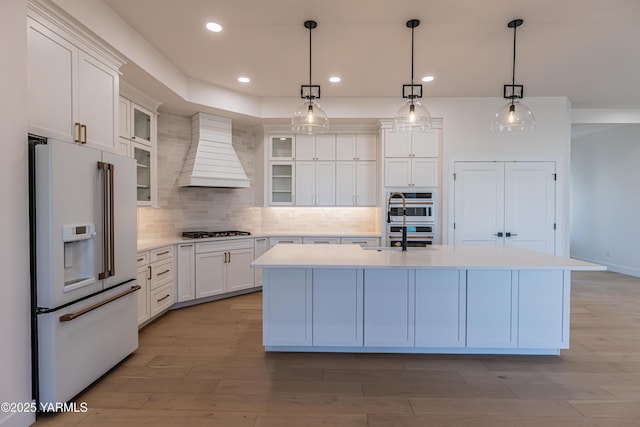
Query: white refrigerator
(83, 249)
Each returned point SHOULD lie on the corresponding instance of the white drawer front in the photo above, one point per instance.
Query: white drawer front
(161, 299)
(321, 240)
(142, 258)
(284, 240)
(160, 253)
(362, 241)
(161, 273)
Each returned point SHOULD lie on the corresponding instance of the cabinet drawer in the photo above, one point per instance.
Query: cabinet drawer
(161, 273)
(161, 299)
(275, 240)
(226, 245)
(321, 240)
(142, 259)
(160, 253)
(362, 241)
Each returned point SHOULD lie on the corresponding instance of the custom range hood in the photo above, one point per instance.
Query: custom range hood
(212, 161)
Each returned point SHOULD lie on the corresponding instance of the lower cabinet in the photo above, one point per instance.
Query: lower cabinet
(459, 310)
(440, 308)
(222, 267)
(260, 246)
(492, 308)
(388, 307)
(186, 272)
(156, 276)
(337, 307)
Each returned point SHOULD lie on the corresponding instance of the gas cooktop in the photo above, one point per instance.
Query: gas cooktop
(207, 234)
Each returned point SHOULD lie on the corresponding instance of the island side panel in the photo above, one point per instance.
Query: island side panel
(287, 307)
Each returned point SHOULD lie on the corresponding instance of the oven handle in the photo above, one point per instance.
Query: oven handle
(395, 202)
(70, 316)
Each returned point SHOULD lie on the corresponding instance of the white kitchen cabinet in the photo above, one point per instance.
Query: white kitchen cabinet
(281, 183)
(492, 308)
(186, 272)
(284, 240)
(505, 204)
(142, 279)
(356, 147)
(440, 308)
(73, 83)
(282, 147)
(156, 276)
(419, 144)
(138, 139)
(315, 183)
(543, 309)
(260, 246)
(362, 241)
(411, 172)
(356, 183)
(389, 316)
(315, 147)
(337, 296)
(321, 240)
(287, 307)
(411, 159)
(223, 267)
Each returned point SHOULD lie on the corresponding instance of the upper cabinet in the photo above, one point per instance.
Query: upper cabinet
(315, 147)
(333, 169)
(412, 159)
(138, 139)
(73, 82)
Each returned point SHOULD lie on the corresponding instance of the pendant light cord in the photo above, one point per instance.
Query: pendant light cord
(412, 29)
(310, 29)
(513, 73)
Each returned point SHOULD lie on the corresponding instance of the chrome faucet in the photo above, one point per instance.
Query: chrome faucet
(404, 217)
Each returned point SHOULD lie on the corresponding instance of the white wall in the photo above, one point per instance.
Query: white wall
(15, 353)
(605, 200)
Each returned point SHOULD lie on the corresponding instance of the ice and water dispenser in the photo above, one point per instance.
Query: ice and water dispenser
(79, 259)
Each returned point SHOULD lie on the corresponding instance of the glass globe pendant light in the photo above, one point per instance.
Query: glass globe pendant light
(412, 116)
(514, 116)
(310, 118)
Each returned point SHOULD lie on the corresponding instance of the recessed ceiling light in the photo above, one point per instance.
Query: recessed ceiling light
(214, 27)
(427, 79)
(334, 79)
(243, 79)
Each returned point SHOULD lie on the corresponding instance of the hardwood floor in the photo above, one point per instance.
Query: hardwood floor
(205, 366)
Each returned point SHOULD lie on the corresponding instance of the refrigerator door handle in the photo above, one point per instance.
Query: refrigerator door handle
(108, 247)
(70, 316)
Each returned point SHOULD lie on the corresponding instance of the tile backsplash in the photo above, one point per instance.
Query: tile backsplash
(205, 208)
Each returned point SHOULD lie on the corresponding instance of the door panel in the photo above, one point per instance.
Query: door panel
(239, 272)
(530, 205)
(325, 183)
(479, 202)
(345, 183)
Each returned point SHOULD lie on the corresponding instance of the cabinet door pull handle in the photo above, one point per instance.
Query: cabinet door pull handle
(150, 275)
(164, 298)
(84, 134)
(140, 259)
(162, 253)
(77, 137)
(164, 272)
(186, 246)
(499, 234)
(229, 256)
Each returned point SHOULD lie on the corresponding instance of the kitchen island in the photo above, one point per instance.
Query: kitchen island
(439, 299)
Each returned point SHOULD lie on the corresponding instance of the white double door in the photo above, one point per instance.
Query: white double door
(505, 203)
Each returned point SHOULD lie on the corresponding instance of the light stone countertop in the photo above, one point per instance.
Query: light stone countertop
(434, 257)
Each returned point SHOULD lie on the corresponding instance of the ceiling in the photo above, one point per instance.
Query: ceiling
(588, 50)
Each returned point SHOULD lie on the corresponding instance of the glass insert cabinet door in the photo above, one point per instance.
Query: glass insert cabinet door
(141, 124)
(282, 148)
(281, 184)
(143, 163)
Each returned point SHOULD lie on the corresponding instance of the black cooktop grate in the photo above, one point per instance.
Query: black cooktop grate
(206, 234)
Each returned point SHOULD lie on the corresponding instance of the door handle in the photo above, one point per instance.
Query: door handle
(500, 234)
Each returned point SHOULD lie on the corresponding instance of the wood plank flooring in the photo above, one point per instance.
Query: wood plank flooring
(205, 366)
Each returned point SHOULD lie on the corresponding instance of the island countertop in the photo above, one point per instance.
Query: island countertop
(433, 257)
